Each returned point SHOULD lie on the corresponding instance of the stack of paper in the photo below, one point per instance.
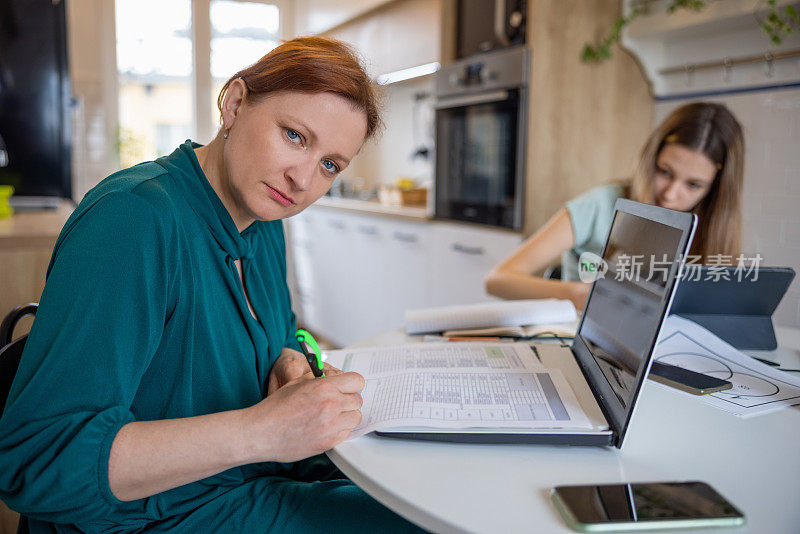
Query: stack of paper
(513, 313)
(757, 388)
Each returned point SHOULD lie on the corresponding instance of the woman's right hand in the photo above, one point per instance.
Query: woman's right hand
(303, 418)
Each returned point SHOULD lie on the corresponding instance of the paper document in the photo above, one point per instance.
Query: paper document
(490, 314)
(757, 388)
(459, 386)
(416, 356)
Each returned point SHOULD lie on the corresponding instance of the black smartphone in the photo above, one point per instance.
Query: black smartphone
(686, 380)
(644, 506)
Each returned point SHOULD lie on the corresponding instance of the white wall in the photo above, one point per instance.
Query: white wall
(771, 204)
(92, 64)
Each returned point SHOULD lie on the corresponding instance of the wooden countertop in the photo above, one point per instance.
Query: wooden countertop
(374, 207)
(34, 228)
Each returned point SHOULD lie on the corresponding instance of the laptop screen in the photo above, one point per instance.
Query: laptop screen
(631, 292)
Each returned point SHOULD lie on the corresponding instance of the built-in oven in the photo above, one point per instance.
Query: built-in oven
(481, 112)
(484, 25)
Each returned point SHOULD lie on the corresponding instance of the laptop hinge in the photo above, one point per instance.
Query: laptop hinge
(598, 399)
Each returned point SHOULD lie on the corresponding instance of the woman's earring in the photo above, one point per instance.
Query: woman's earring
(225, 135)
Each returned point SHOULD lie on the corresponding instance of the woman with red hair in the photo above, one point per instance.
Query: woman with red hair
(161, 387)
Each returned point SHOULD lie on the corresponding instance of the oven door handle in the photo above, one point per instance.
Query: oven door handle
(500, 22)
(461, 101)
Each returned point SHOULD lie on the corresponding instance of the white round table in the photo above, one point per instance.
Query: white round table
(450, 487)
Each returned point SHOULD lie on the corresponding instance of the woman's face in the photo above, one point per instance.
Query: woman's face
(283, 152)
(683, 177)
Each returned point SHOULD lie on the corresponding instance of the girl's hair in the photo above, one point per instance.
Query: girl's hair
(312, 65)
(712, 130)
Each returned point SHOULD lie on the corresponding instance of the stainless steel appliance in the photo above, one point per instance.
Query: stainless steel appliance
(485, 25)
(481, 113)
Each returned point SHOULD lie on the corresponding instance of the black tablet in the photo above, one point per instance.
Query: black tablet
(734, 303)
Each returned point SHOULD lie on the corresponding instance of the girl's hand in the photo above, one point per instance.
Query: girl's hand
(292, 365)
(579, 292)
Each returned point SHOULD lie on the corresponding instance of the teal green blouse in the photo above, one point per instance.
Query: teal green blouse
(143, 317)
(591, 215)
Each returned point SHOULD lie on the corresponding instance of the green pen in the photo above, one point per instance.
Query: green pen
(311, 351)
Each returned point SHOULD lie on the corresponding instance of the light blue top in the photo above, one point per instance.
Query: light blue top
(591, 215)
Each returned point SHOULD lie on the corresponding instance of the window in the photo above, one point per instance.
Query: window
(241, 33)
(164, 61)
(154, 65)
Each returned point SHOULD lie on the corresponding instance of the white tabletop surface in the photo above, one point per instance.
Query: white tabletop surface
(449, 487)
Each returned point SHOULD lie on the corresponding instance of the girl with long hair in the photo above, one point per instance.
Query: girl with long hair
(693, 161)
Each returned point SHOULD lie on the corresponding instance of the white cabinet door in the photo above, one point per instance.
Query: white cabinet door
(317, 16)
(461, 257)
(405, 279)
(357, 274)
(301, 249)
(385, 274)
(370, 242)
(396, 36)
(336, 277)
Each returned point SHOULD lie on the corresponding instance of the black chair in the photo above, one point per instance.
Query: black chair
(553, 272)
(10, 354)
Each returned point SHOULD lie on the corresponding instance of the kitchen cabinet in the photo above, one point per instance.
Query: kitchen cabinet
(356, 274)
(300, 231)
(317, 16)
(335, 277)
(396, 36)
(464, 255)
(402, 271)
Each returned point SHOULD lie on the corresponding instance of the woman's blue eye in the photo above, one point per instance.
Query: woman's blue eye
(330, 166)
(292, 135)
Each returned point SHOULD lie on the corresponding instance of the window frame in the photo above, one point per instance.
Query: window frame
(202, 82)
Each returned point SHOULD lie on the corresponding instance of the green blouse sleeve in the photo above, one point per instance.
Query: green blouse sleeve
(99, 322)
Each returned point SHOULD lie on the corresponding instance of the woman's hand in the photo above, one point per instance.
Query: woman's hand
(304, 417)
(292, 365)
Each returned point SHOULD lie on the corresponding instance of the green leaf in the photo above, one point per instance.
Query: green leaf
(589, 55)
(793, 14)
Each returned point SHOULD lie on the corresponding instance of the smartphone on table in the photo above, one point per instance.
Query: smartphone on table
(644, 506)
(687, 380)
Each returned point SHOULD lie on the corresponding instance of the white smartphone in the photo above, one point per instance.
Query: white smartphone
(644, 506)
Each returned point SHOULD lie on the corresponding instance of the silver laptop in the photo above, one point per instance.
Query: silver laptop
(612, 352)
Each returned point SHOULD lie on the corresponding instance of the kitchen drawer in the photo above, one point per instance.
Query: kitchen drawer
(357, 274)
(461, 257)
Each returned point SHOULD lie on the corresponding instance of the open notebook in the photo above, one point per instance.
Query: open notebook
(460, 386)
